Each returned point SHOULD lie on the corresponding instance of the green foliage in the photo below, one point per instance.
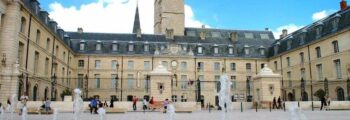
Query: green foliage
(66, 92)
(320, 93)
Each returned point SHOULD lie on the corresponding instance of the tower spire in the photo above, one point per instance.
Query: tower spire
(137, 24)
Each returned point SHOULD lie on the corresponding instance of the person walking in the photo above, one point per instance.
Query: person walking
(165, 104)
(111, 105)
(8, 104)
(47, 105)
(279, 101)
(134, 101)
(93, 104)
(145, 104)
(323, 102)
(274, 104)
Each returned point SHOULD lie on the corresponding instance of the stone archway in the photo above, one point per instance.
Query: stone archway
(291, 97)
(340, 94)
(35, 92)
(305, 96)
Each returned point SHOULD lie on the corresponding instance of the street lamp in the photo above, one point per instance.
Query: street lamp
(53, 85)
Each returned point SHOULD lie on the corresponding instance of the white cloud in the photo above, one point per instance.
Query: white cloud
(290, 28)
(114, 16)
(322, 14)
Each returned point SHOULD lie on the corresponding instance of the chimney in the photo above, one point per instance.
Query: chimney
(45, 16)
(284, 33)
(234, 37)
(343, 5)
(138, 33)
(203, 26)
(53, 25)
(267, 29)
(60, 33)
(35, 6)
(202, 35)
(80, 30)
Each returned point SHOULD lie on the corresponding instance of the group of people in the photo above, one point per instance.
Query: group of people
(149, 104)
(96, 104)
(46, 105)
(277, 104)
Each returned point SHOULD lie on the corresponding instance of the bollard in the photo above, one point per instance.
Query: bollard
(284, 107)
(241, 107)
(209, 108)
(298, 103)
(270, 106)
(312, 105)
(256, 107)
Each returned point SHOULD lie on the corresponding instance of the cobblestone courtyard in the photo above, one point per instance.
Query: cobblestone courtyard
(203, 115)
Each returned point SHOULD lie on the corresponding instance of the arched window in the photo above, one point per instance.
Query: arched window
(38, 35)
(340, 94)
(35, 90)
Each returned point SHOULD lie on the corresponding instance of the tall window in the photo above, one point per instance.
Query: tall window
(63, 74)
(80, 80)
(147, 65)
(200, 65)
(335, 46)
(217, 81)
(275, 65)
(337, 66)
(201, 78)
(57, 50)
(302, 59)
(81, 63)
(23, 24)
(216, 66)
(20, 53)
(302, 73)
(183, 66)
(234, 82)
(38, 35)
(130, 65)
(319, 71)
(64, 56)
(130, 81)
(184, 82)
(46, 66)
(48, 43)
(248, 67)
(36, 62)
(288, 61)
(289, 77)
(97, 64)
(114, 81)
(165, 64)
(114, 64)
(233, 66)
(97, 81)
(318, 52)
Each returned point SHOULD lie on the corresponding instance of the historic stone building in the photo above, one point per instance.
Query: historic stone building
(112, 65)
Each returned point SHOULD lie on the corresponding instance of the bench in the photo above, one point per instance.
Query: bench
(184, 110)
(32, 110)
(116, 110)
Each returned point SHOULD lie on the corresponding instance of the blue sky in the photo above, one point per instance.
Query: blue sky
(237, 14)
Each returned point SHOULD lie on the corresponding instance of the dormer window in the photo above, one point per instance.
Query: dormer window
(82, 45)
(200, 49)
(114, 46)
(216, 49)
(131, 47)
(230, 50)
(184, 47)
(246, 50)
(146, 47)
(302, 37)
(289, 44)
(262, 50)
(98, 45)
(275, 49)
(335, 22)
(319, 29)
(162, 47)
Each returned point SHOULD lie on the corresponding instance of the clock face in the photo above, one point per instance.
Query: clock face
(173, 63)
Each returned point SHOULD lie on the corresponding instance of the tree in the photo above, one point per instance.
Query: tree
(66, 92)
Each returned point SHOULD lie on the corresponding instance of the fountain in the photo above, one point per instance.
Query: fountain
(55, 114)
(24, 112)
(171, 111)
(77, 104)
(295, 112)
(13, 105)
(224, 95)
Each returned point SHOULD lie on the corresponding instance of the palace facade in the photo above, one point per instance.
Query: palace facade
(41, 60)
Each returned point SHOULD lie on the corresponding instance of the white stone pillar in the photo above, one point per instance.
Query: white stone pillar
(9, 49)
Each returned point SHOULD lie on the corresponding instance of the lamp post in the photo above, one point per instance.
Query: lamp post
(116, 79)
(53, 85)
(198, 86)
(86, 86)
